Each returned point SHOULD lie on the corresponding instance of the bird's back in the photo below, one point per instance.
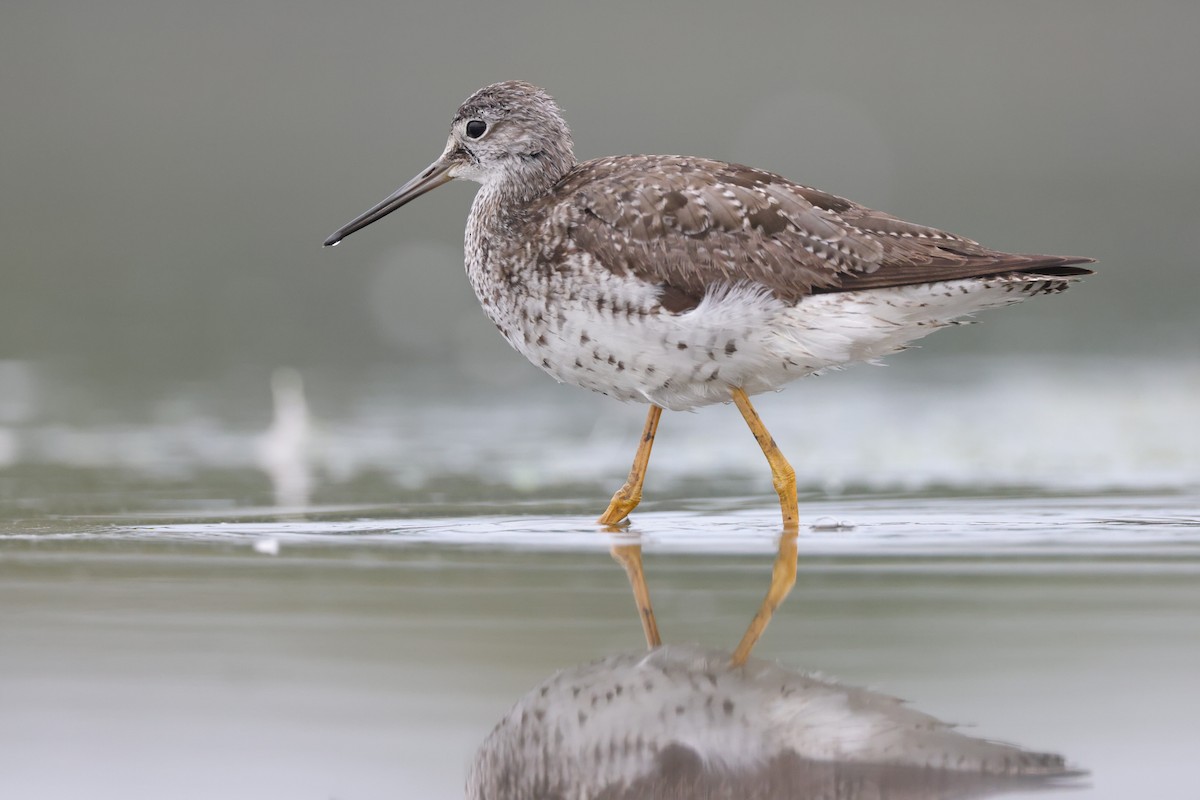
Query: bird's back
(687, 224)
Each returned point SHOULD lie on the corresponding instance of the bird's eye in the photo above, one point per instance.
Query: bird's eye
(475, 128)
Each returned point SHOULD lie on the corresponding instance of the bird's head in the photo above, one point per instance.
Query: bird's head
(510, 137)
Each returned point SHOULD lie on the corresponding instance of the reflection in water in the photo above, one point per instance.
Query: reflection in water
(686, 722)
(682, 722)
(629, 556)
(783, 578)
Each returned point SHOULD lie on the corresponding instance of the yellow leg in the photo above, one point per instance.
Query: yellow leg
(782, 474)
(783, 578)
(629, 495)
(629, 556)
(783, 574)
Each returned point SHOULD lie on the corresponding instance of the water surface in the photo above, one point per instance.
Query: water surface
(1020, 555)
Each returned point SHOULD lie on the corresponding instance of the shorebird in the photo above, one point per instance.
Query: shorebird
(681, 722)
(682, 282)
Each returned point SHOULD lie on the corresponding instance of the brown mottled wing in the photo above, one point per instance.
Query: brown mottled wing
(685, 224)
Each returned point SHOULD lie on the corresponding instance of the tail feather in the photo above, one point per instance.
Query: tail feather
(834, 329)
(988, 265)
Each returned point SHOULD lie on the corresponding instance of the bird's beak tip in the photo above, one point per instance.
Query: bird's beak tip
(431, 177)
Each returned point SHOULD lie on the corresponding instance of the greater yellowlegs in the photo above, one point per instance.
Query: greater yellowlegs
(681, 282)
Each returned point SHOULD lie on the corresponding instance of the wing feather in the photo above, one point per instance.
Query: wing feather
(687, 223)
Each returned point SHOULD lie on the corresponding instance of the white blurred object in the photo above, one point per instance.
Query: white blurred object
(284, 451)
(267, 547)
(831, 524)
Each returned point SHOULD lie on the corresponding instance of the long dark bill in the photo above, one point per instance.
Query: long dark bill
(432, 177)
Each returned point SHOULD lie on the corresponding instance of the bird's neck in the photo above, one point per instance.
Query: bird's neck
(527, 178)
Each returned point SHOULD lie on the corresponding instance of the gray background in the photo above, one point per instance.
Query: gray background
(168, 170)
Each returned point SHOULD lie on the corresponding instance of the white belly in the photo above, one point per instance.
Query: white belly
(611, 337)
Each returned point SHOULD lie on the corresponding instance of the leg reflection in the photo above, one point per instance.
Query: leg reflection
(783, 578)
(629, 556)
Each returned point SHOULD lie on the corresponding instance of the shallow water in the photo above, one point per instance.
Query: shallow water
(166, 631)
(368, 657)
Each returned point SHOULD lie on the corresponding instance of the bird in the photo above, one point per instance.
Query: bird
(681, 282)
(682, 722)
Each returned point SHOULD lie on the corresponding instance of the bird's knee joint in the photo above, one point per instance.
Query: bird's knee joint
(784, 478)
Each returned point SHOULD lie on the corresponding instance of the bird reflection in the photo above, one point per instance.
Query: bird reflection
(681, 721)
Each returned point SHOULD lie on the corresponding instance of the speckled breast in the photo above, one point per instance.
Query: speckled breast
(590, 327)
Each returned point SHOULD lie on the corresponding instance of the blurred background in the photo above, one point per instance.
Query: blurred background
(168, 171)
(181, 362)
